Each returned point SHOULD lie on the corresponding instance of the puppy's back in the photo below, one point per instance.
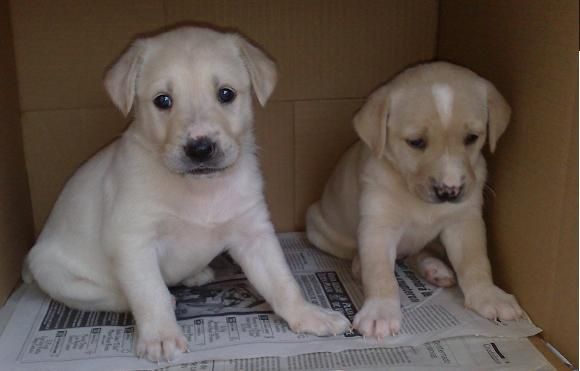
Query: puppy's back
(332, 222)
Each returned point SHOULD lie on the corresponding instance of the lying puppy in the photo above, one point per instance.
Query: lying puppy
(181, 185)
(417, 175)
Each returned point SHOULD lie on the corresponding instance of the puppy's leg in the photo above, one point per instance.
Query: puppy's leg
(466, 247)
(380, 314)
(159, 336)
(73, 284)
(262, 260)
(429, 265)
(86, 295)
(206, 275)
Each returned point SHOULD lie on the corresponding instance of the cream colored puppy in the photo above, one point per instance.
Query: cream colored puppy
(416, 175)
(180, 186)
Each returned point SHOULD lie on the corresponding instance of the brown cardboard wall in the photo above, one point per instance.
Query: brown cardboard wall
(67, 116)
(275, 137)
(75, 40)
(319, 53)
(15, 212)
(529, 51)
(323, 133)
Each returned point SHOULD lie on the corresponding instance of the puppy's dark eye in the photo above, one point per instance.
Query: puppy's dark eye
(226, 95)
(470, 139)
(418, 143)
(163, 101)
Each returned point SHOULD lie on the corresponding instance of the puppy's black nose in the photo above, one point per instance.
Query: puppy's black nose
(200, 149)
(447, 193)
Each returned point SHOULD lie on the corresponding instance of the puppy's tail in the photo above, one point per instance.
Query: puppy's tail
(325, 237)
(26, 273)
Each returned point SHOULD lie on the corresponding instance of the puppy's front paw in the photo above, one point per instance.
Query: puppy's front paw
(312, 319)
(379, 318)
(160, 344)
(493, 303)
(436, 272)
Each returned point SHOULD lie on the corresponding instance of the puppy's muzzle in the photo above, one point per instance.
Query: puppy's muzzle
(200, 150)
(445, 193)
(205, 156)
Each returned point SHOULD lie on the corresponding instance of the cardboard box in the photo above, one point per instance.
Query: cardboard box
(331, 53)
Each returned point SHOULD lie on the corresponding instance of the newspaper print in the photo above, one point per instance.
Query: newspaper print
(229, 319)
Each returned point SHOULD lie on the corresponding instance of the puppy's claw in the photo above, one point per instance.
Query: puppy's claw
(378, 318)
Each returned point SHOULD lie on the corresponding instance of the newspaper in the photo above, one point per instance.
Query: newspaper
(466, 353)
(229, 320)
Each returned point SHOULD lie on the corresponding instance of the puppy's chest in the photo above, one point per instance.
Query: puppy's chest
(414, 239)
(212, 208)
(422, 230)
(183, 247)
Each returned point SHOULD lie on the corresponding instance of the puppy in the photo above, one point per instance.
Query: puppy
(417, 175)
(180, 186)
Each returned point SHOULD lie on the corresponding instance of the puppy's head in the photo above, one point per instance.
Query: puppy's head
(190, 92)
(431, 122)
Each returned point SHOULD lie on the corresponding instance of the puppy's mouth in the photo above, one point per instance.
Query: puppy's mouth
(431, 198)
(454, 201)
(205, 170)
(428, 195)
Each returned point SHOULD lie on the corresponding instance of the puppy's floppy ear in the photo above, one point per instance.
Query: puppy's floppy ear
(121, 77)
(498, 115)
(370, 122)
(261, 68)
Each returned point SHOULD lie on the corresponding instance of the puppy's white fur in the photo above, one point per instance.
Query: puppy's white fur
(443, 96)
(137, 217)
(381, 201)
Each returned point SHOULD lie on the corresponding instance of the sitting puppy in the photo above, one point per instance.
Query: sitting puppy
(417, 174)
(181, 185)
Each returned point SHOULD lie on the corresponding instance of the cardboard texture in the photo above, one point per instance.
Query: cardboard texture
(274, 137)
(75, 40)
(15, 211)
(530, 53)
(331, 54)
(539, 343)
(563, 322)
(323, 133)
(314, 43)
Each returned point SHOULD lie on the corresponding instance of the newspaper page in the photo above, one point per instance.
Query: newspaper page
(228, 319)
(466, 353)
